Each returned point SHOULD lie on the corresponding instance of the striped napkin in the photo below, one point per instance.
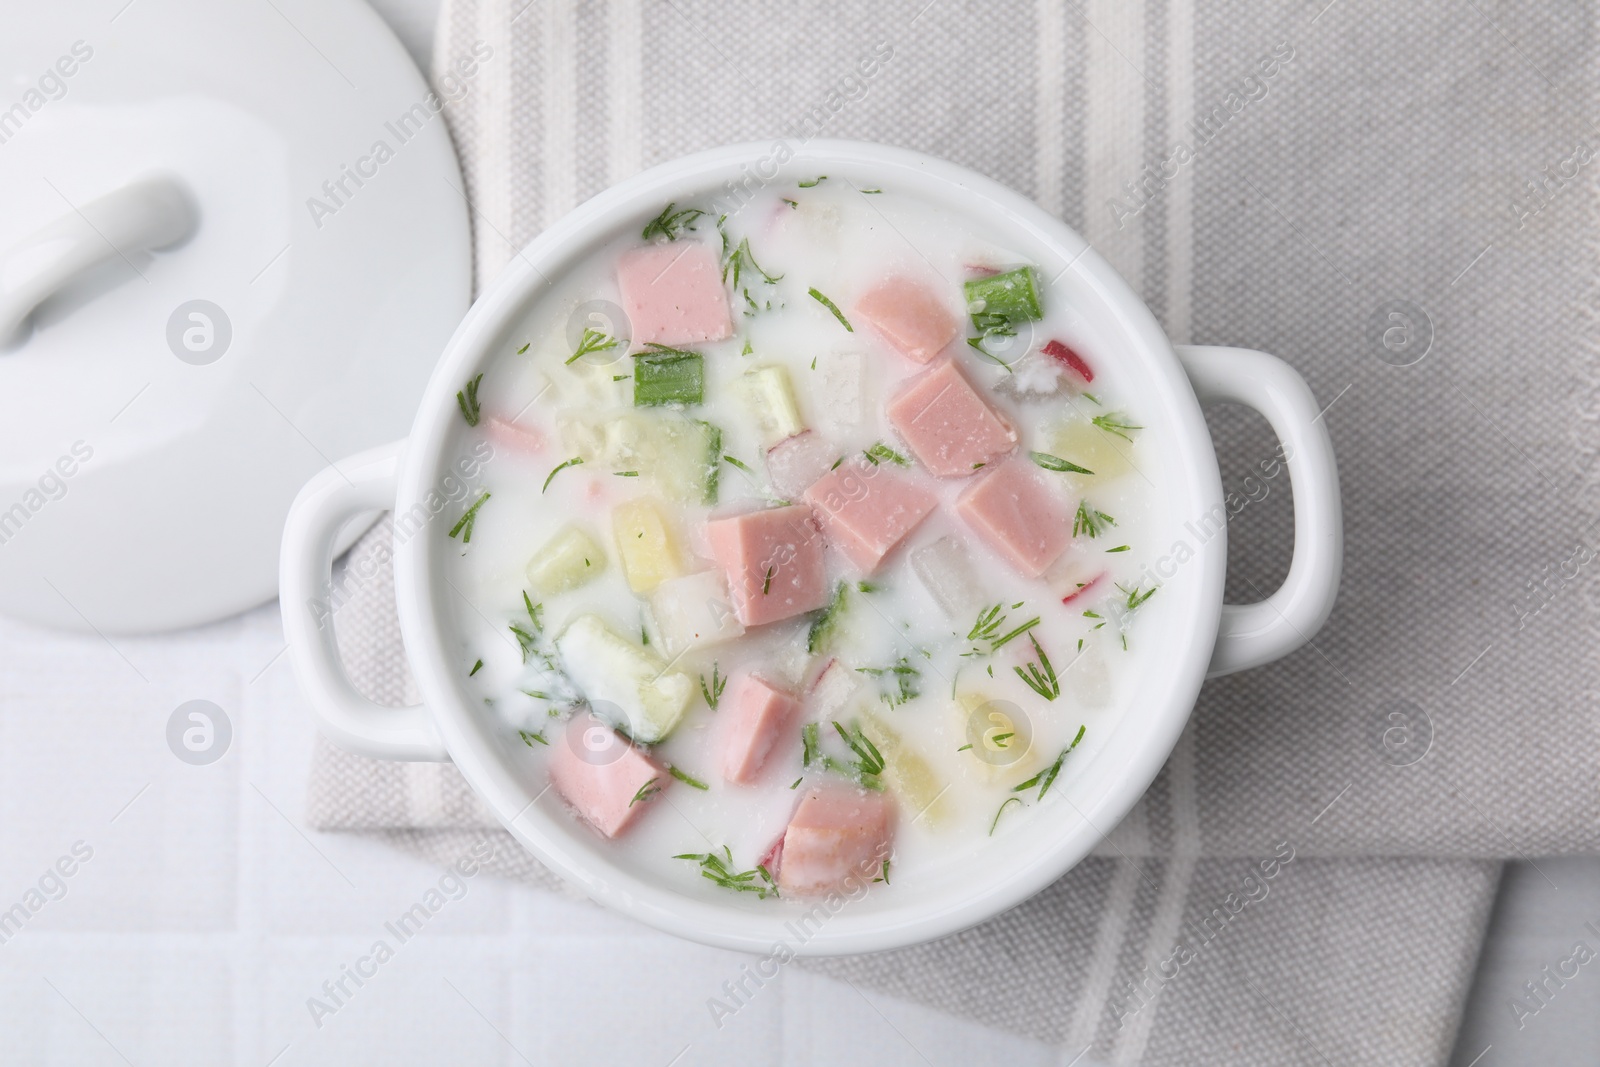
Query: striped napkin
(1391, 198)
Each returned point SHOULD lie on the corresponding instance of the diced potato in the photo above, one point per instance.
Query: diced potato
(1080, 441)
(770, 396)
(1087, 679)
(569, 559)
(907, 773)
(678, 454)
(694, 611)
(946, 571)
(625, 684)
(648, 551)
(835, 688)
(836, 389)
(586, 385)
(1000, 735)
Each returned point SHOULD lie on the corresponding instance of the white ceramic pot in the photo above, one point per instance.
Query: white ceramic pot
(1204, 637)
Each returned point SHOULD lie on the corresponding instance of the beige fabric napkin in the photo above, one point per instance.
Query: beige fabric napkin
(1392, 198)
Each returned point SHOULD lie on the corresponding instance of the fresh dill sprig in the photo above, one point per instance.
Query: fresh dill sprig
(737, 260)
(713, 690)
(671, 224)
(575, 461)
(528, 737)
(528, 637)
(1046, 778)
(976, 344)
(1056, 463)
(1018, 632)
(907, 679)
(1090, 521)
(1135, 597)
(1007, 803)
(686, 778)
(592, 341)
(1041, 676)
(880, 451)
(646, 791)
(1132, 600)
(869, 763)
(831, 306)
(467, 400)
(810, 745)
(989, 622)
(1116, 422)
(464, 524)
(713, 867)
(734, 462)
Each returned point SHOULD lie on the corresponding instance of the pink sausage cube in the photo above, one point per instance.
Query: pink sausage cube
(839, 833)
(1018, 515)
(910, 316)
(773, 560)
(758, 714)
(947, 423)
(514, 436)
(600, 773)
(673, 294)
(867, 510)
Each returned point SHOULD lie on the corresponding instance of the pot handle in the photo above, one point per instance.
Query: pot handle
(1253, 634)
(364, 482)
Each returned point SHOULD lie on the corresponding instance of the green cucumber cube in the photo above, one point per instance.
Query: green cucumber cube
(566, 561)
(668, 376)
(999, 302)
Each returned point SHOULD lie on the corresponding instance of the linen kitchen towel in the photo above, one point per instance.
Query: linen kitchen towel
(1392, 198)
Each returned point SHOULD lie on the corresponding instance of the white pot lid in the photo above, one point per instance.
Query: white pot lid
(160, 409)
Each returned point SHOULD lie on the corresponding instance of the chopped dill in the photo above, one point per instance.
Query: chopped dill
(1090, 521)
(575, 461)
(713, 867)
(467, 401)
(592, 341)
(1046, 778)
(528, 737)
(671, 224)
(1056, 463)
(1008, 802)
(687, 779)
(713, 690)
(1041, 676)
(881, 451)
(831, 306)
(814, 182)
(464, 524)
(646, 791)
(1116, 422)
(476, 667)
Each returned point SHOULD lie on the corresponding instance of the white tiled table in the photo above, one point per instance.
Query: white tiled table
(208, 914)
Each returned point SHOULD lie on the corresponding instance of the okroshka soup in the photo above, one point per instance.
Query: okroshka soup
(819, 543)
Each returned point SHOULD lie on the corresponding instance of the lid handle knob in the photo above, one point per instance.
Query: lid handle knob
(150, 213)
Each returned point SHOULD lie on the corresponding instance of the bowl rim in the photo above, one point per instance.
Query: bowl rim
(420, 585)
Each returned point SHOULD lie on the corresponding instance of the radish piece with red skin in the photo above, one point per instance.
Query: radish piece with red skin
(1071, 360)
(1084, 588)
